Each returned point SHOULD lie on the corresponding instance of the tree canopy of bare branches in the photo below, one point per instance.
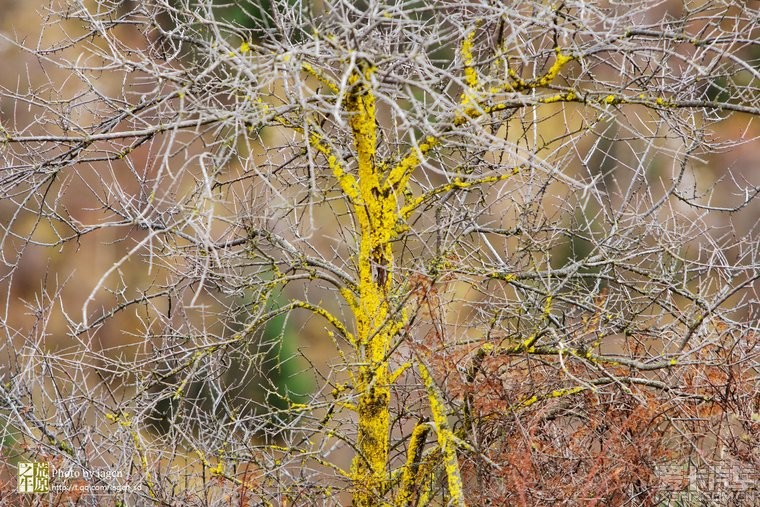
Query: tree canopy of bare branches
(382, 252)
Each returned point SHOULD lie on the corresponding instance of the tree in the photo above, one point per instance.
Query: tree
(512, 249)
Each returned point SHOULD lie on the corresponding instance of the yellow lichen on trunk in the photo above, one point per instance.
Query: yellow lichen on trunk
(376, 212)
(409, 476)
(446, 440)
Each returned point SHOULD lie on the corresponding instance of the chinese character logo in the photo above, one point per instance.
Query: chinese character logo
(33, 477)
